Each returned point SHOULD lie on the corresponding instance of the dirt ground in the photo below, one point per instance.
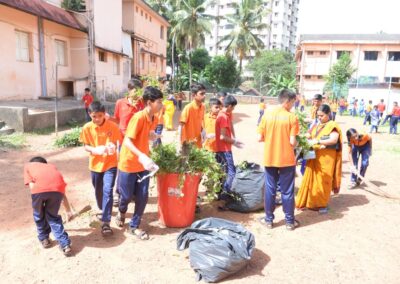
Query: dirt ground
(356, 242)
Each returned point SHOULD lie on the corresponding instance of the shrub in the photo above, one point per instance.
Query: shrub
(70, 139)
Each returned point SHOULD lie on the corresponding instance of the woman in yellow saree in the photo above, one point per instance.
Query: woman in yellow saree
(323, 174)
(169, 112)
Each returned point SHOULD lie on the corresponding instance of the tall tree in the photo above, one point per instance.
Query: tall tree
(247, 19)
(191, 25)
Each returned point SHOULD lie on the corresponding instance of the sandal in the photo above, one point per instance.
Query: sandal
(106, 230)
(67, 251)
(120, 220)
(140, 234)
(266, 223)
(46, 243)
(292, 226)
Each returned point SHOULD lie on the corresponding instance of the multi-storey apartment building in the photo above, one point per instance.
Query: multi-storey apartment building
(281, 19)
(375, 56)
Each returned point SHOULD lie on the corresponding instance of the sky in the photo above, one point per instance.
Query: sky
(349, 16)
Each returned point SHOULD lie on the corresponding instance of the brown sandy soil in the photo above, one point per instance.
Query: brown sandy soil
(357, 241)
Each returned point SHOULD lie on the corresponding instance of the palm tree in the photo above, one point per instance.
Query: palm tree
(247, 20)
(191, 25)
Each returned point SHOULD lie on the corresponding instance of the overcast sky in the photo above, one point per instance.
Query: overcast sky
(349, 16)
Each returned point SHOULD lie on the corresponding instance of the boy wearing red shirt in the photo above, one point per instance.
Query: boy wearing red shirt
(381, 108)
(394, 120)
(47, 188)
(87, 99)
(224, 141)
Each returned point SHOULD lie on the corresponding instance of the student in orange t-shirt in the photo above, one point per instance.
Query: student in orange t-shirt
(394, 120)
(381, 107)
(191, 120)
(134, 162)
(87, 99)
(101, 138)
(278, 129)
(47, 187)
(209, 125)
(224, 141)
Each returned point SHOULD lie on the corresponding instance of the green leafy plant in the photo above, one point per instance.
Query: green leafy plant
(12, 141)
(70, 139)
(191, 160)
(303, 147)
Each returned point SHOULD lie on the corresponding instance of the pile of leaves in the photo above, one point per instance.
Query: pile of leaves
(190, 160)
(303, 147)
(70, 139)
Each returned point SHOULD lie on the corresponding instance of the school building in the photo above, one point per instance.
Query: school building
(46, 49)
(375, 56)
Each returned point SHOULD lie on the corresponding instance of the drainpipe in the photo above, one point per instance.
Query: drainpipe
(43, 81)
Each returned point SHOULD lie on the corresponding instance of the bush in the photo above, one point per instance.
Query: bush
(70, 139)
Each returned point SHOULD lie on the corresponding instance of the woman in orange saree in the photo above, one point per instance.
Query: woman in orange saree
(323, 174)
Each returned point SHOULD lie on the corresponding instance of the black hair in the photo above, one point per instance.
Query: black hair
(97, 107)
(214, 102)
(151, 94)
(325, 109)
(221, 94)
(230, 100)
(194, 88)
(286, 95)
(370, 102)
(395, 103)
(87, 90)
(382, 100)
(261, 100)
(38, 159)
(350, 133)
(135, 84)
(318, 97)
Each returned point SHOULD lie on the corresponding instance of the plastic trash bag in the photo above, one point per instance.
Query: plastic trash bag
(217, 248)
(248, 188)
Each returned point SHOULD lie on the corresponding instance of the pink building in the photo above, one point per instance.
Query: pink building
(376, 57)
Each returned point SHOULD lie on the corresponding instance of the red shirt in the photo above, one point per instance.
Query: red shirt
(124, 112)
(396, 111)
(46, 178)
(87, 99)
(381, 107)
(224, 120)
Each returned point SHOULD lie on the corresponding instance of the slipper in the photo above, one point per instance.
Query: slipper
(46, 243)
(67, 251)
(106, 230)
(140, 234)
(120, 220)
(292, 226)
(265, 223)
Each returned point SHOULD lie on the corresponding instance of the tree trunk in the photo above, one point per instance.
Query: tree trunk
(190, 76)
(173, 66)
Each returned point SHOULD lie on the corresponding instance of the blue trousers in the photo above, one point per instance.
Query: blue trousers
(103, 184)
(394, 120)
(387, 117)
(87, 115)
(260, 117)
(367, 118)
(363, 151)
(158, 131)
(226, 160)
(129, 187)
(285, 176)
(45, 214)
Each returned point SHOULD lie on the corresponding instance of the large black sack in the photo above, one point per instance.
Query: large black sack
(217, 248)
(248, 188)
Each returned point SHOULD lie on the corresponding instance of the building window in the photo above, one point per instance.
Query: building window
(307, 76)
(310, 52)
(276, 14)
(322, 53)
(274, 36)
(274, 46)
(116, 64)
(320, 77)
(137, 9)
(340, 52)
(370, 55)
(61, 52)
(220, 48)
(221, 6)
(141, 13)
(162, 32)
(145, 16)
(276, 3)
(102, 56)
(394, 56)
(210, 48)
(275, 26)
(23, 50)
(142, 61)
(393, 79)
(152, 59)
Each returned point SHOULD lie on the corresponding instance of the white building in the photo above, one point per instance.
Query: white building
(281, 34)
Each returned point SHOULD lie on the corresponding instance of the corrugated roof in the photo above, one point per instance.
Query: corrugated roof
(351, 37)
(44, 10)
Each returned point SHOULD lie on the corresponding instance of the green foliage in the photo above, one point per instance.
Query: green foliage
(278, 83)
(222, 72)
(74, 5)
(12, 141)
(271, 63)
(70, 139)
(303, 146)
(339, 75)
(191, 160)
(200, 59)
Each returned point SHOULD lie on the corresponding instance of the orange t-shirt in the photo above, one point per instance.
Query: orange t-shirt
(124, 112)
(381, 107)
(46, 178)
(209, 127)
(276, 127)
(262, 106)
(192, 115)
(396, 111)
(87, 99)
(224, 120)
(94, 136)
(360, 142)
(138, 131)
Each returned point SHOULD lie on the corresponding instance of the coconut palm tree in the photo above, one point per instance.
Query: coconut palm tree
(247, 20)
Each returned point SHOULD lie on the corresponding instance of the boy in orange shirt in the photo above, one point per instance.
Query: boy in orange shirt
(261, 109)
(134, 164)
(87, 99)
(278, 129)
(209, 125)
(101, 137)
(47, 188)
(191, 120)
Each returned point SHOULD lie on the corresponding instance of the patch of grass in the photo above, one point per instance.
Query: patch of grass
(12, 141)
(70, 139)
(42, 131)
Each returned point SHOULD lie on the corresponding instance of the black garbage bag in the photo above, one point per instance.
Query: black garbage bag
(217, 248)
(248, 188)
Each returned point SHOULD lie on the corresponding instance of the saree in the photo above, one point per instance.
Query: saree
(322, 174)
(169, 114)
